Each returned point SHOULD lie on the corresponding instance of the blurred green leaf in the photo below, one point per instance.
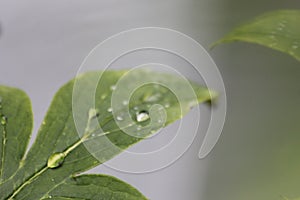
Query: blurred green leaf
(279, 30)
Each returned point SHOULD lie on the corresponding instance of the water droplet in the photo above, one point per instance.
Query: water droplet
(119, 118)
(52, 179)
(125, 102)
(142, 116)
(93, 135)
(272, 36)
(55, 160)
(50, 197)
(159, 121)
(281, 24)
(109, 109)
(113, 87)
(103, 96)
(167, 105)
(135, 108)
(93, 113)
(153, 98)
(3, 120)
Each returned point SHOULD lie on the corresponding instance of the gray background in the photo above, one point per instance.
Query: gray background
(43, 43)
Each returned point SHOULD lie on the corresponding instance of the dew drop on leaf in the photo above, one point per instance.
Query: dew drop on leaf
(142, 116)
(119, 118)
(3, 120)
(93, 113)
(103, 96)
(55, 160)
(113, 87)
(109, 110)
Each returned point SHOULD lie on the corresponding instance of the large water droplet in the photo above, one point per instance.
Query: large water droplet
(142, 116)
(55, 160)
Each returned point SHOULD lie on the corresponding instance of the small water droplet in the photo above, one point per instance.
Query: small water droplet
(153, 98)
(109, 110)
(93, 113)
(113, 87)
(272, 36)
(125, 102)
(142, 116)
(281, 24)
(93, 135)
(52, 179)
(103, 96)
(119, 118)
(3, 120)
(55, 160)
(50, 197)
(159, 121)
(135, 108)
(167, 105)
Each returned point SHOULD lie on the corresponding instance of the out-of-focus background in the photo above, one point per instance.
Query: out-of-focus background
(43, 43)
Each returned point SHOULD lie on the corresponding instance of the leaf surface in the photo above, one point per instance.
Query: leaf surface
(80, 131)
(95, 187)
(15, 128)
(279, 30)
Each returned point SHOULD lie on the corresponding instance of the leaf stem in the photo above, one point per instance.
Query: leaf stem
(27, 182)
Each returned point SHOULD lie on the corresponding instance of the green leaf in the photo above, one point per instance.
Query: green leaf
(62, 148)
(279, 30)
(95, 187)
(16, 126)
